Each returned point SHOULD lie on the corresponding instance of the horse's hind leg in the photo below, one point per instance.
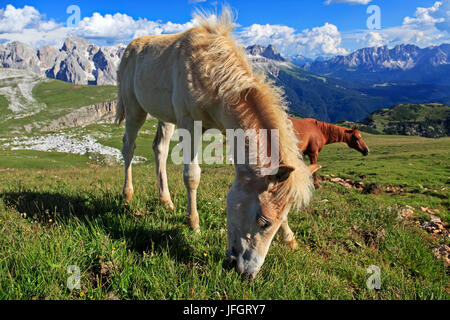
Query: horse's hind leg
(161, 150)
(287, 235)
(135, 118)
(313, 160)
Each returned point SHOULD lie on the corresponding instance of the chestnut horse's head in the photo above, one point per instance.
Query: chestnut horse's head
(355, 141)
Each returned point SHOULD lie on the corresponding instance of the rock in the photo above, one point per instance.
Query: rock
(18, 55)
(406, 213)
(78, 61)
(442, 252)
(372, 188)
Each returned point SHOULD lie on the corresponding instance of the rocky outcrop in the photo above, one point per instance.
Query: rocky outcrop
(78, 61)
(267, 59)
(100, 112)
(269, 52)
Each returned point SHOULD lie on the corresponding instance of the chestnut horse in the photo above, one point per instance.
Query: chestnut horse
(313, 135)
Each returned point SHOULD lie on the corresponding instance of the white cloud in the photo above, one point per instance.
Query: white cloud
(122, 28)
(425, 16)
(325, 40)
(15, 20)
(328, 2)
(28, 25)
(427, 27)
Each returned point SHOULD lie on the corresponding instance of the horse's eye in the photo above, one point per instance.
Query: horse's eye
(262, 221)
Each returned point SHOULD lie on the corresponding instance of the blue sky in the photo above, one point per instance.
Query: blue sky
(307, 27)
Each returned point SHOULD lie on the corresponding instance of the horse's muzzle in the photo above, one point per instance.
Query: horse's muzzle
(365, 152)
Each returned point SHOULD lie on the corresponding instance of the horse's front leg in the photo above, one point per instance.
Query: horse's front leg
(287, 235)
(161, 149)
(191, 172)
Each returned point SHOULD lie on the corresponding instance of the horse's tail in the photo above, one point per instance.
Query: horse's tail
(120, 111)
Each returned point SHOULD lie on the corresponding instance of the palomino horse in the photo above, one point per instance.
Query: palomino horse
(202, 75)
(313, 135)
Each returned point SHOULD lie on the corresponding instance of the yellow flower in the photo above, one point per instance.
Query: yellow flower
(114, 248)
(81, 294)
(205, 254)
(50, 220)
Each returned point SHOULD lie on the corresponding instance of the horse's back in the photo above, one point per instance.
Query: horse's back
(146, 77)
(308, 133)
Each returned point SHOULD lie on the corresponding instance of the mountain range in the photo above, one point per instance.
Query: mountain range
(77, 61)
(341, 88)
(375, 64)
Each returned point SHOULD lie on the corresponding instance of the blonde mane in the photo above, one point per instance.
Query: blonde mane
(221, 71)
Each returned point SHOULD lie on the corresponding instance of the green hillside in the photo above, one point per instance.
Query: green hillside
(332, 100)
(428, 120)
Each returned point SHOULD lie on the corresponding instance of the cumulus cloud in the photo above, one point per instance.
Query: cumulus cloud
(16, 20)
(325, 40)
(427, 27)
(28, 25)
(328, 2)
(121, 27)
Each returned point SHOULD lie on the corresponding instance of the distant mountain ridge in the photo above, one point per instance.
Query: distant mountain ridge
(308, 94)
(430, 120)
(401, 63)
(78, 61)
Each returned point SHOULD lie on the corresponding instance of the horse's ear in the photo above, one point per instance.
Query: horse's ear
(282, 174)
(314, 167)
(355, 127)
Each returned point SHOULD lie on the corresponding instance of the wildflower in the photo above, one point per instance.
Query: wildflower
(114, 248)
(50, 220)
(205, 254)
(81, 294)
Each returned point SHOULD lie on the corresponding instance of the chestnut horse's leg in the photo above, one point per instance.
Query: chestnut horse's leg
(287, 235)
(161, 149)
(135, 118)
(313, 160)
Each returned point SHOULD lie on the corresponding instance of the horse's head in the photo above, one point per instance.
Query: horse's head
(255, 210)
(355, 141)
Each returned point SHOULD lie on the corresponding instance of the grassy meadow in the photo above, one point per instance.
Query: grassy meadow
(58, 210)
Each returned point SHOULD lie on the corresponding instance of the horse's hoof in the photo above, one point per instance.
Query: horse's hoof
(292, 244)
(168, 205)
(127, 195)
(194, 225)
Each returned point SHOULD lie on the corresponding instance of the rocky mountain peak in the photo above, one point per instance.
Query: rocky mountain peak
(269, 52)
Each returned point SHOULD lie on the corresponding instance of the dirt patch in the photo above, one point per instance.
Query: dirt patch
(366, 188)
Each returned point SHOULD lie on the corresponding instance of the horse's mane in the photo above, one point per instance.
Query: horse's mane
(222, 71)
(331, 130)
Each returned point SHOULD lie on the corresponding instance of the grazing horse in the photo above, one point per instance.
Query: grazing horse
(202, 75)
(313, 135)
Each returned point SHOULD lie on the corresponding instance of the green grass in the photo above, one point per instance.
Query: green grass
(4, 103)
(60, 98)
(74, 216)
(59, 94)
